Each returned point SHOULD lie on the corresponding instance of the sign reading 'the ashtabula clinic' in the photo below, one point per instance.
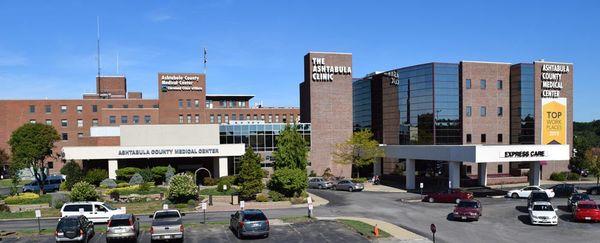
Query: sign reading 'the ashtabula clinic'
(554, 121)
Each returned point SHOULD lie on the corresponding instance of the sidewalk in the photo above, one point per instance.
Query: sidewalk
(397, 232)
(369, 187)
(221, 207)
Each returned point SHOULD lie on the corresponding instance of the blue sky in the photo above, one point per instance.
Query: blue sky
(48, 48)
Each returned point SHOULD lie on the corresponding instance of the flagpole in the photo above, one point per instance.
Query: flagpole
(205, 61)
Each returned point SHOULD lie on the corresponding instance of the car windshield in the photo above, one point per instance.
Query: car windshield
(254, 217)
(167, 214)
(119, 222)
(68, 223)
(543, 208)
(587, 206)
(466, 204)
(539, 196)
(579, 197)
(109, 207)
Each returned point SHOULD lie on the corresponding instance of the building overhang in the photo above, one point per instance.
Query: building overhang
(479, 153)
(149, 152)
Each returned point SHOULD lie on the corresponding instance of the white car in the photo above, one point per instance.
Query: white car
(543, 213)
(525, 191)
(97, 212)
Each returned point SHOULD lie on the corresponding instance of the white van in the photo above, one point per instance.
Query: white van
(97, 212)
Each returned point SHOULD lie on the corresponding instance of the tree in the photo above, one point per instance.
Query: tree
(592, 162)
(250, 177)
(3, 160)
(73, 172)
(359, 150)
(289, 181)
(292, 149)
(169, 174)
(182, 188)
(31, 144)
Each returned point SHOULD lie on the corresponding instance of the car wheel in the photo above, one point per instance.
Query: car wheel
(267, 235)
(431, 200)
(457, 201)
(350, 189)
(515, 195)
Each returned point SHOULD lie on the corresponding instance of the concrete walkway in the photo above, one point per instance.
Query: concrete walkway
(398, 233)
(226, 207)
(369, 187)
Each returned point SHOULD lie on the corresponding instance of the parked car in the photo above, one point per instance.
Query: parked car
(543, 213)
(122, 227)
(467, 210)
(51, 184)
(348, 185)
(525, 191)
(74, 229)
(537, 196)
(575, 198)
(563, 190)
(320, 183)
(97, 212)
(251, 222)
(586, 210)
(167, 225)
(450, 196)
(595, 190)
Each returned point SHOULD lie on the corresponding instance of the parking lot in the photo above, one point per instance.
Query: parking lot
(319, 231)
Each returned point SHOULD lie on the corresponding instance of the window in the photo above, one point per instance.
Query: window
(64, 123)
(255, 117)
(233, 117)
(499, 137)
(212, 118)
(79, 123)
(32, 109)
(189, 103)
(189, 118)
(262, 117)
(248, 117)
(197, 103)
(197, 118)
(468, 168)
(50, 165)
(48, 122)
(64, 136)
(140, 106)
(180, 101)
(124, 120)
(180, 119)
(482, 111)
(94, 108)
(482, 84)
(243, 103)
(223, 103)
(242, 117)
(499, 84)
(112, 119)
(63, 109)
(468, 138)
(270, 118)
(284, 119)
(219, 119)
(125, 106)
(94, 122)
(226, 118)
(32, 121)
(48, 109)
(136, 119)
(80, 135)
(468, 84)
(110, 106)
(209, 104)
(79, 109)
(468, 111)
(148, 119)
(277, 118)
(500, 112)
(155, 106)
(483, 138)
(500, 169)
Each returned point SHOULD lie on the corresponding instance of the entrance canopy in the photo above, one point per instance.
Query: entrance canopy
(136, 152)
(479, 153)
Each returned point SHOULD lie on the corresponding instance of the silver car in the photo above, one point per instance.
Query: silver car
(167, 225)
(320, 183)
(122, 226)
(348, 185)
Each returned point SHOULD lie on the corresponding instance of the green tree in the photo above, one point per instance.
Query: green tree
(359, 150)
(292, 149)
(250, 177)
(592, 162)
(289, 181)
(73, 172)
(83, 191)
(31, 145)
(3, 159)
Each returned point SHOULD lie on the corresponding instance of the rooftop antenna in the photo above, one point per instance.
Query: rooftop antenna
(98, 42)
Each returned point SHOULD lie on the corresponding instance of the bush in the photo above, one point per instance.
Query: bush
(573, 176)
(108, 183)
(95, 176)
(564, 175)
(127, 172)
(73, 173)
(209, 181)
(144, 187)
(115, 195)
(169, 174)
(136, 179)
(359, 180)
(261, 197)
(191, 202)
(276, 196)
(289, 181)
(122, 184)
(63, 186)
(83, 191)
(298, 200)
(215, 192)
(147, 175)
(265, 174)
(159, 173)
(58, 203)
(182, 188)
(312, 174)
(327, 175)
(223, 185)
(230, 180)
(18, 199)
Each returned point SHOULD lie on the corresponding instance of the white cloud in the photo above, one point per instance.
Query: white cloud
(159, 17)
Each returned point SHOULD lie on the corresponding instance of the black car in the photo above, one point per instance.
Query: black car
(563, 190)
(537, 196)
(595, 190)
(251, 222)
(576, 197)
(74, 229)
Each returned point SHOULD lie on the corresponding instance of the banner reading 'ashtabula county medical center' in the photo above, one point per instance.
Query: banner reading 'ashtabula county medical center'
(554, 121)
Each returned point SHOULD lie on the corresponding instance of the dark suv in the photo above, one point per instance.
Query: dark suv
(563, 190)
(537, 196)
(74, 229)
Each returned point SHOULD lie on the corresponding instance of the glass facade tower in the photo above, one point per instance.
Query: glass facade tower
(522, 124)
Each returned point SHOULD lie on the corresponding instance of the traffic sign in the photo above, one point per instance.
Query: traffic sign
(38, 213)
(433, 229)
(165, 206)
(203, 206)
(242, 204)
(421, 185)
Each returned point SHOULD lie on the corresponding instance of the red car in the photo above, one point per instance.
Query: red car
(450, 196)
(586, 210)
(467, 210)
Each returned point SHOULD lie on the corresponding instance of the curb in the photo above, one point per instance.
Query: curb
(25, 219)
(500, 196)
(397, 232)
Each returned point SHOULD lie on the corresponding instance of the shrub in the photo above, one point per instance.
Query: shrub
(159, 173)
(182, 188)
(289, 181)
(109, 183)
(17, 199)
(144, 187)
(63, 186)
(230, 180)
(298, 200)
(73, 173)
(58, 203)
(558, 176)
(209, 181)
(115, 195)
(136, 179)
(83, 191)
(147, 175)
(127, 172)
(276, 196)
(122, 184)
(265, 174)
(191, 202)
(223, 185)
(95, 176)
(327, 175)
(573, 176)
(359, 180)
(169, 174)
(312, 174)
(261, 197)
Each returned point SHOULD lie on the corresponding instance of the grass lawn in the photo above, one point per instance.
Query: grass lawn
(214, 192)
(46, 212)
(363, 228)
(8, 183)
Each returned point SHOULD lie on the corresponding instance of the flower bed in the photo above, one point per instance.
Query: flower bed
(28, 198)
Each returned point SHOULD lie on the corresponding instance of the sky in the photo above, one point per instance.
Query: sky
(48, 48)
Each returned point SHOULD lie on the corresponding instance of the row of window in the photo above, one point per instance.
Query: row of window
(225, 118)
(226, 103)
(79, 108)
(483, 84)
(484, 138)
(65, 122)
(125, 119)
(65, 136)
(469, 170)
(483, 111)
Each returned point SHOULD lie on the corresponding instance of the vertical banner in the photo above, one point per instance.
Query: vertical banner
(554, 121)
